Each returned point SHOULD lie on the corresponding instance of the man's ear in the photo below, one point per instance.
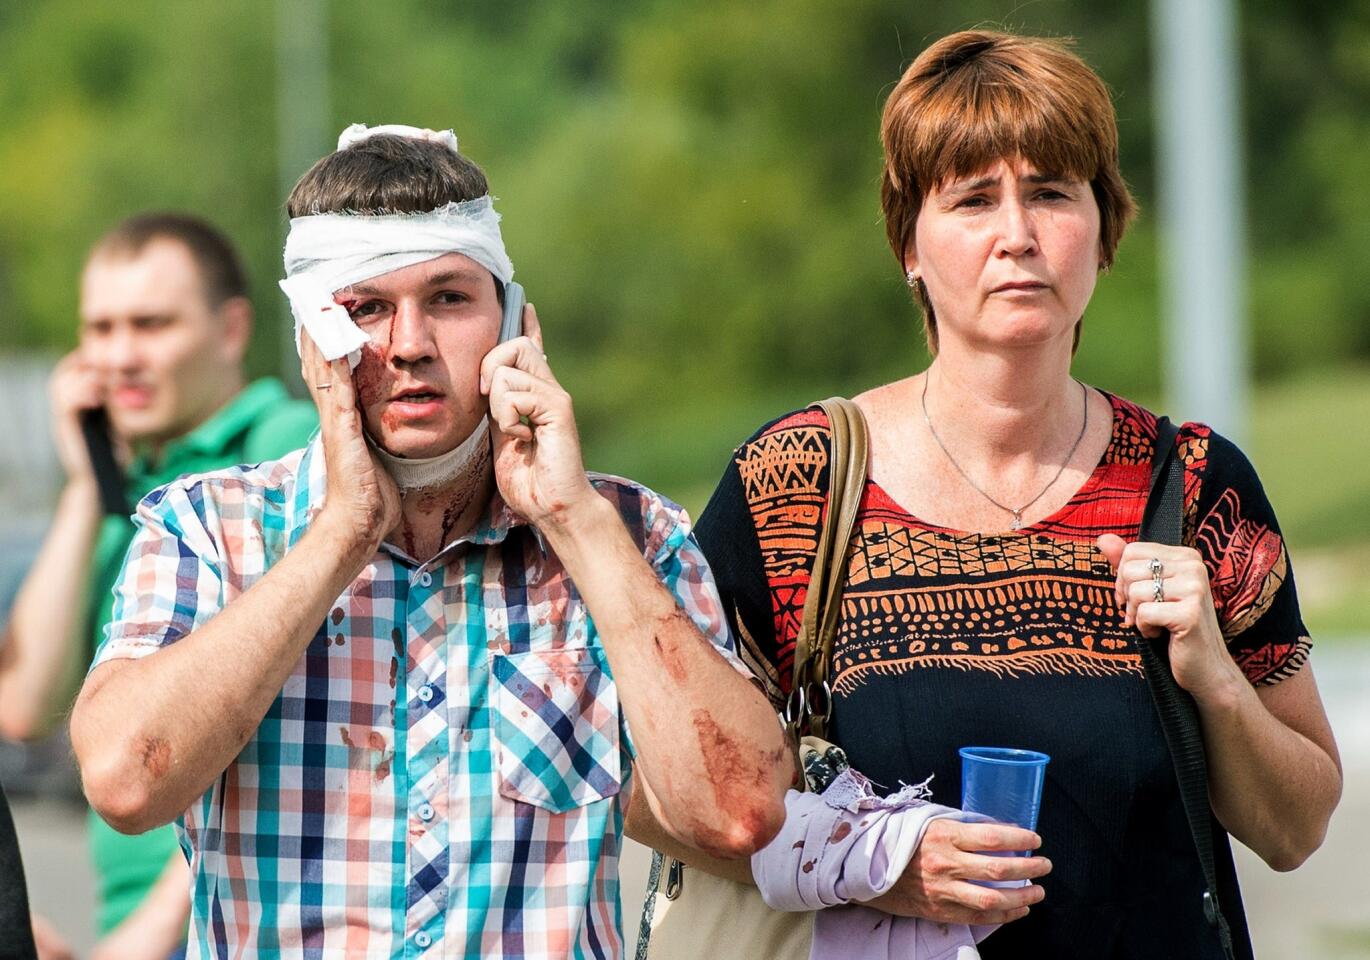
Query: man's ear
(235, 324)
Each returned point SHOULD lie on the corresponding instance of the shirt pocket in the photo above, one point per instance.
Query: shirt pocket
(556, 728)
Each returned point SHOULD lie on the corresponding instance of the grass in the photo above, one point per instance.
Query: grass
(1310, 441)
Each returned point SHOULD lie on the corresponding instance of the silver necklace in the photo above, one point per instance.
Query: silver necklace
(1018, 513)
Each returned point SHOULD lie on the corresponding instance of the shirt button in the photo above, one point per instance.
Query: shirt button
(422, 939)
(426, 812)
(425, 579)
(425, 693)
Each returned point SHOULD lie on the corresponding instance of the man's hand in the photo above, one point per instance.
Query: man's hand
(74, 388)
(936, 885)
(362, 501)
(538, 466)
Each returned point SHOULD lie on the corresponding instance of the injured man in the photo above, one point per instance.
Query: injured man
(396, 688)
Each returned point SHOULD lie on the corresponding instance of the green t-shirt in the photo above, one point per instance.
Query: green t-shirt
(260, 423)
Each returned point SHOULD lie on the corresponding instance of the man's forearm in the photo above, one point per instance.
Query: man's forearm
(640, 824)
(152, 734)
(709, 746)
(44, 655)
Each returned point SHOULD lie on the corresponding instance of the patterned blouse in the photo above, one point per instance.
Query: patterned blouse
(950, 639)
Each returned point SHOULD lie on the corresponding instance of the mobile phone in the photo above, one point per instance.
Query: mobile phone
(512, 324)
(109, 478)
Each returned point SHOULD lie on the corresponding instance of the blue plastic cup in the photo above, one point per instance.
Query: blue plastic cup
(1003, 784)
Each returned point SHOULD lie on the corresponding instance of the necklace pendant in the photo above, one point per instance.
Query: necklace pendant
(1017, 520)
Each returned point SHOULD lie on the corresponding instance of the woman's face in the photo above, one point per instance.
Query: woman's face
(1009, 256)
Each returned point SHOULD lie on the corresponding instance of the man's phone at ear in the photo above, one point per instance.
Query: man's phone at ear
(512, 324)
(108, 476)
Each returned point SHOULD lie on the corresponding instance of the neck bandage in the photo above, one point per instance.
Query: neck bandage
(429, 472)
(327, 252)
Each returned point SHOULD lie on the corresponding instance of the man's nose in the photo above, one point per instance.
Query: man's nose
(411, 334)
(123, 350)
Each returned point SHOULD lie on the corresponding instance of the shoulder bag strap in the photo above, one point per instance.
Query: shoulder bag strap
(1162, 522)
(810, 703)
(813, 646)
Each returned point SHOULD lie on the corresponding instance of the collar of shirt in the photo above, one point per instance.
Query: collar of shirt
(209, 439)
(497, 523)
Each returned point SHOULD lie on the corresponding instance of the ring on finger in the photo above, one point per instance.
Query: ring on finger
(1157, 584)
(323, 386)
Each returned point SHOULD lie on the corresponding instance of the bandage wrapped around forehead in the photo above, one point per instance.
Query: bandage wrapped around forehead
(326, 252)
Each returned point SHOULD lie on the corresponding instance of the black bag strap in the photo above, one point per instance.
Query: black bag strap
(1162, 522)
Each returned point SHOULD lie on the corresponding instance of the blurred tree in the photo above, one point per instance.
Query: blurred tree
(689, 188)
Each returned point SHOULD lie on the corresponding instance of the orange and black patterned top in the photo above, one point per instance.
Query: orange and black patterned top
(950, 639)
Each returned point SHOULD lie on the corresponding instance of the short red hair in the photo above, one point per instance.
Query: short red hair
(976, 97)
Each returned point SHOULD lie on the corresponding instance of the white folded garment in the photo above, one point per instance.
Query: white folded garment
(844, 845)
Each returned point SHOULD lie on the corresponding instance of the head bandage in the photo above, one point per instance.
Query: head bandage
(327, 252)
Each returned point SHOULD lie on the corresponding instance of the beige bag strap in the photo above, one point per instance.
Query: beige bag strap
(810, 704)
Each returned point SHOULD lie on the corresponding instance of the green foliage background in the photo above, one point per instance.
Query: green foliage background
(689, 187)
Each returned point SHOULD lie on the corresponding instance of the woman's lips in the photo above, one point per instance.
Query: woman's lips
(1027, 286)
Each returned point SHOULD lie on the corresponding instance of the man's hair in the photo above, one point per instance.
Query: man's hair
(976, 97)
(387, 174)
(221, 271)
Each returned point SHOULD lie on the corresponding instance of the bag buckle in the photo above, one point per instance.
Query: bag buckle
(820, 693)
(675, 879)
(1210, 909)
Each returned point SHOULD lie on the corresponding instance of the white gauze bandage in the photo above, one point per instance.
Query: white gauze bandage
(327, 252)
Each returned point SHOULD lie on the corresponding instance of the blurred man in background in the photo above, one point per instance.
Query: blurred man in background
(157, 380)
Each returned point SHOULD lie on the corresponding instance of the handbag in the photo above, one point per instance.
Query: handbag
(689, 913)
(1162, 522)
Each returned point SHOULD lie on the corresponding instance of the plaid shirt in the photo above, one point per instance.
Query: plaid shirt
(441, 774)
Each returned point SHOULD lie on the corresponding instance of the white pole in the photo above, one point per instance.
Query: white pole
(1203, 213)
(302, 124)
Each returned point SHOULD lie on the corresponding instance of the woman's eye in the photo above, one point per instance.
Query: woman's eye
(971, 202)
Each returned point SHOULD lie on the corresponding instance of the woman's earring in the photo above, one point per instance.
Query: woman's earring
(913, 281)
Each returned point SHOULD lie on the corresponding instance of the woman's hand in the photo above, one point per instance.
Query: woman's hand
(361, 497)
(1198, 653)
(538, 465)
(937, 885)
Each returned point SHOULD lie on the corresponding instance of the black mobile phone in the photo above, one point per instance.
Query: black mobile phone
(512, 324)
(109, 478)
